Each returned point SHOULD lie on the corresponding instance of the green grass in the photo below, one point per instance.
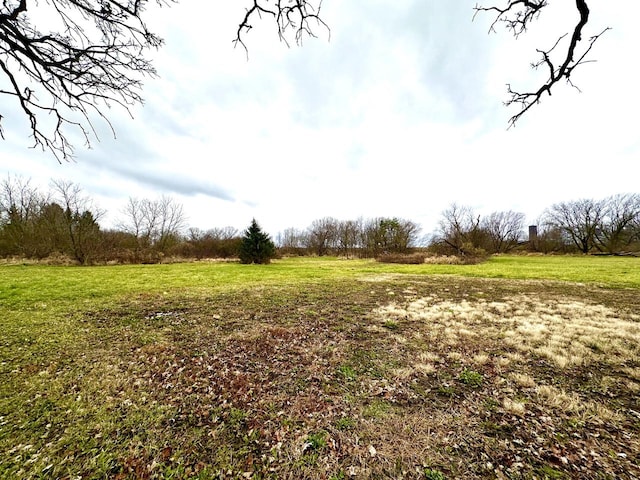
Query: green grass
(35, 285)
(604, 271)
(314, 365)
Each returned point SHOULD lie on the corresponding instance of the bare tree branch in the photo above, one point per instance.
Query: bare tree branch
(93, 59)
(517, 16)
(297, 16)
(90, 56)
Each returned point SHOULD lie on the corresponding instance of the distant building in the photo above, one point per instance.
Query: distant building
(533, 237)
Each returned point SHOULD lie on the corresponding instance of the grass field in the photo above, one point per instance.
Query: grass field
(521, 367)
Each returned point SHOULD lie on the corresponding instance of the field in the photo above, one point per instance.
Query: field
(521, 367)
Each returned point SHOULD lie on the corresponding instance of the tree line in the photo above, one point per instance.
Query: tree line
(609, 226)
(364, 238)
(64, 221)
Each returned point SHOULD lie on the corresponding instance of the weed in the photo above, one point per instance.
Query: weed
(376, 409)
(500, 430)
(315, 441)
(391, 325)
(491, 404)
(513, 406)
(548, 473)
(575, 423)
(523, 380)
(471, 378)
(446, 390)
(367, 362)
(345, 423)
(237, 417)
(347, 372)
(431, 474)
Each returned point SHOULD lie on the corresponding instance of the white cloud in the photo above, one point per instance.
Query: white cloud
(398, 114)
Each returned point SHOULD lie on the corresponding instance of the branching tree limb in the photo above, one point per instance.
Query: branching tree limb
(297, 16)
(71, 60)
(517, 16)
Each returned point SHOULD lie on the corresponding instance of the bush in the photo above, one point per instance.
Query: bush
(443, 260)
(472, 251)
(406, 258)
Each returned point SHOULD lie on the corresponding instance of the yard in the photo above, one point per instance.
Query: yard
(520, 367)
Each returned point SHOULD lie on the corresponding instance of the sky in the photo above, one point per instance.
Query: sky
(396, 111)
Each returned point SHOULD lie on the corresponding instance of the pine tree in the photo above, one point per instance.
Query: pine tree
(257, 246)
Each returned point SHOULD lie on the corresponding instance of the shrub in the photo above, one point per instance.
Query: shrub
(407, 258)
(443, 260)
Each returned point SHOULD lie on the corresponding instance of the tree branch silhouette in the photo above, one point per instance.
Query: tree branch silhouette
(517, 16)
(87, 56)
(299, 17)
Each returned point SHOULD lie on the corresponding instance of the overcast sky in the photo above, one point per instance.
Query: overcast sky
(399, 113)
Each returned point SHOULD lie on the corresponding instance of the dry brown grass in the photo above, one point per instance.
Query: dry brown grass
(568, 333)
(404, 258)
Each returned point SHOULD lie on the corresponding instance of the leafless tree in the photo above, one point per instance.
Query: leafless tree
(154, 223)
(21, 205)
(348, 236)
(223, 233)
(63, 61)
(620, 215)
(579, 220)
(79, 221)
(370, 238)
(19, 200)
(171, 220)
(503, 230)
(322, 235)
(212, 243)
(292, 241)
(136, 222)
(460, 229)
(517, 16)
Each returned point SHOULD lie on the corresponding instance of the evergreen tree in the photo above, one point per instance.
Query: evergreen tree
(257, 246)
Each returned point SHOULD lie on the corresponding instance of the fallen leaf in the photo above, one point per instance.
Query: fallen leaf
(372, 451)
